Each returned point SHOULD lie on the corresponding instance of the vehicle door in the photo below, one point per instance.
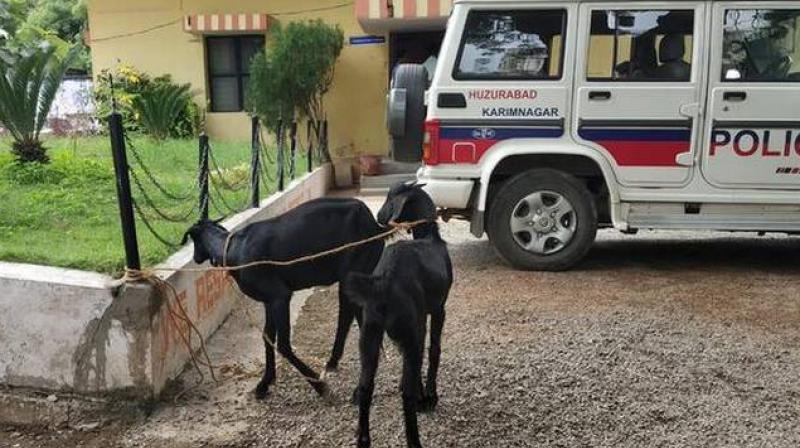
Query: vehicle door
(754, 99)
(639, 84)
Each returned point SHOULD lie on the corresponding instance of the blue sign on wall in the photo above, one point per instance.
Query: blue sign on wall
(367, 40)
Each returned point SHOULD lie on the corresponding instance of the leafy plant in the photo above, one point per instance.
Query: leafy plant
(289, 80)
(28, 85)
(160, 106)
(59, 22)
(126, 93)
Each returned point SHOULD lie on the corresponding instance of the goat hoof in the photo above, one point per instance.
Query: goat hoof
(428, 403)
(332, 367)
(261, 391)
(364, 442)
(321, 388)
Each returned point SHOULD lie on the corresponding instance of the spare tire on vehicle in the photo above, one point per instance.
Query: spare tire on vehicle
(406, 112)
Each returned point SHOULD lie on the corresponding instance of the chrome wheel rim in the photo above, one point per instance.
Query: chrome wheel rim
(543, 222)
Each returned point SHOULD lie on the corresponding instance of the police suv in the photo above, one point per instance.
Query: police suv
(547, 120)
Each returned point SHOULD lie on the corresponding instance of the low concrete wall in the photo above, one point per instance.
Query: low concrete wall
(85, 332)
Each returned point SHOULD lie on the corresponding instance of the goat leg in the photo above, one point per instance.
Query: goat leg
(280, 315)
(369, 344)
(412, 367)
(347, 313)
(268, 378)
(431, 397)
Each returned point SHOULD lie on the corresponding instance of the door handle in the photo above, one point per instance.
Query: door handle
(600, 95)
(734, 96)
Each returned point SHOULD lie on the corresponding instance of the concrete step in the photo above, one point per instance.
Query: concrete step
(385, 180)
(389, 166)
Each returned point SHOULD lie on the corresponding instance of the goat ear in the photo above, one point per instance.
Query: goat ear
(185, 239)
(397, 207)
(420, 186)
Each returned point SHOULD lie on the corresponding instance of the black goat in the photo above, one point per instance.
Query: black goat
(313, 227)
(408, 202)
(411, 281)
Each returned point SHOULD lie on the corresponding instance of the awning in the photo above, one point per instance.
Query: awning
(380, 16)
(227, 23)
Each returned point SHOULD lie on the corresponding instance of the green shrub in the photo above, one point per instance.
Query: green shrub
(29, 80)
(158, 108)
(291, 80)
(65, 169)
(136, 95)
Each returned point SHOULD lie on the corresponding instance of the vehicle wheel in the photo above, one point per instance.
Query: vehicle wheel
(543, 220)
(406, 113)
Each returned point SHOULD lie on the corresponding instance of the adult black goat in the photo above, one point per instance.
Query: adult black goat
(310, 228)
(411, 281)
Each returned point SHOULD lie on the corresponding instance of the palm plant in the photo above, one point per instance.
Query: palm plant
(28, 85)
(160, 106)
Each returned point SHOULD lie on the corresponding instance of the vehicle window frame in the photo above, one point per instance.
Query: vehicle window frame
(640, 80)
(456, 76)
(722, 78)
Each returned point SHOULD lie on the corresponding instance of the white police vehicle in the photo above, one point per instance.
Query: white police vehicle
(547, 120)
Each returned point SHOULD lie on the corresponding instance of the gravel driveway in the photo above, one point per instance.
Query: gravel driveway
(685, 341)
(651, 343)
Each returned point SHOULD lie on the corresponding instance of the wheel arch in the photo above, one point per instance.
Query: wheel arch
(580, 162)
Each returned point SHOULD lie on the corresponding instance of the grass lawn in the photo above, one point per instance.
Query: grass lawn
(65, 213)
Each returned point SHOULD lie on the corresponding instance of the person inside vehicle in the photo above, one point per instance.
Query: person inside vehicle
(671, 52)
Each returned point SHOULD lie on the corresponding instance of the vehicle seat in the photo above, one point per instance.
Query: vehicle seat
(670, 53)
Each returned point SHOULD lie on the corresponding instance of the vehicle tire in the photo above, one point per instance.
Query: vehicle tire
(543, 220)
(406, 142)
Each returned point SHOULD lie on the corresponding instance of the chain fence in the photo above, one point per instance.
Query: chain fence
(225, 184)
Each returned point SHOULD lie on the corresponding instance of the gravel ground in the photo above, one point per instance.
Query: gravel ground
(662, 339)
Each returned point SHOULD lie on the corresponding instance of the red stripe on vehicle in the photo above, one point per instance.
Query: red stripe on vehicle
(645, 153)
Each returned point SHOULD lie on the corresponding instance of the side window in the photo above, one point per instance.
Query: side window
(761, 45)
(512, 45)
(643, 45)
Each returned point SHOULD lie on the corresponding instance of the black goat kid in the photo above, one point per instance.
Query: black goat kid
(408, 202)
(411, 281)
(310, 228)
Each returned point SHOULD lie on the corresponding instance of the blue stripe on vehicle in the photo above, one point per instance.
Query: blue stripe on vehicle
(606, 134)
(458, 133)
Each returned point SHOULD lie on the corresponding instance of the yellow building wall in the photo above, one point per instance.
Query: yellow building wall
(149, 35)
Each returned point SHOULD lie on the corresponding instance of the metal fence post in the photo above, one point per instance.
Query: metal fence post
(325, 139)
(203, 174)
(310, 143)
(117, 133)
(255, 164)
(279, 158)
(293, 151)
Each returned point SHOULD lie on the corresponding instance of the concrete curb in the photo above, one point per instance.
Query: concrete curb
(83, 332)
